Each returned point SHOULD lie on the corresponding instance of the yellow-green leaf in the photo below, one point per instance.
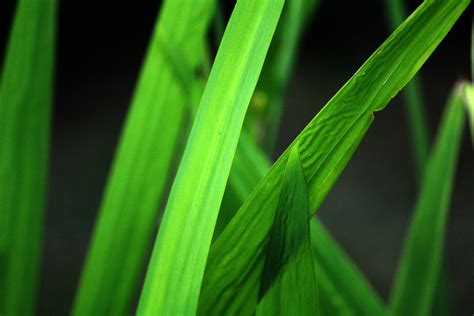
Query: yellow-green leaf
(179, 256)
(130, 205)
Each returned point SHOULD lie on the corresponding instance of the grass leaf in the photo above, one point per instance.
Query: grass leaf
(266, 105)
(289, 284)
(420, 263)
(249, 166)
(25, 119)
(130, 204)
(277, 70)
(337, 297)
(236, 258)
(175, 271)
(469, 101)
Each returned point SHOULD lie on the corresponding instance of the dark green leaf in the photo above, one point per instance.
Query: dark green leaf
(25, 109)
(289, 285)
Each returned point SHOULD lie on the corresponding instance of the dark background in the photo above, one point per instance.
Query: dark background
(100, 48)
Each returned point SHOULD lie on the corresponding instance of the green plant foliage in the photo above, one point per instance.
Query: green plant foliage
(420, 263)
(25, 107)
(413, 101)
(343, 289)
(177, 265)
(421, 259)
(469, 101)
(265, 108)
(289, 284)
(130, 204)
(236, 258)
(267, 104)
(248, 168)
(337, 297)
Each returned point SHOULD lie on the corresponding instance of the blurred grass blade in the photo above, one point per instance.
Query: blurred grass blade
(469, 101)
(289, 285)
(343, 288)
(420, 263)
(472, 50)
(175, 271)
(26, 98)
(236, 258)
(419, 134)
(469, 88)
(269, 95)
(219, 23)
(413, 101)
(130, 204)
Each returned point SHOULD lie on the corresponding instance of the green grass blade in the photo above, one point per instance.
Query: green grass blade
(419, 134)
(249, 166)
(413, 101)
(130, 204)
(472, 50)
(343, 288)
(326, 144)
(268, 97)
(337, 297)
(25, 119)
(276, 73)
(469, 88)
(175, 271)
(289, 284)
(469, 101)
(420, 263)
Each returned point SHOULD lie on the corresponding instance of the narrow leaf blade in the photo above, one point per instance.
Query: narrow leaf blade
(130, 205)
(266, 105)
(413, 101)
(25, 109)
(420, 263)
(175, 271)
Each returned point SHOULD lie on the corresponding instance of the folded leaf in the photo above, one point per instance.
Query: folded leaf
(343, 288)
(130, 205)
(179, 256)
(236, 258)
(420, 262)
(289, 285)
(25, 120)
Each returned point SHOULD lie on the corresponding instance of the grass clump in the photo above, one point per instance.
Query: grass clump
(238, 234)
